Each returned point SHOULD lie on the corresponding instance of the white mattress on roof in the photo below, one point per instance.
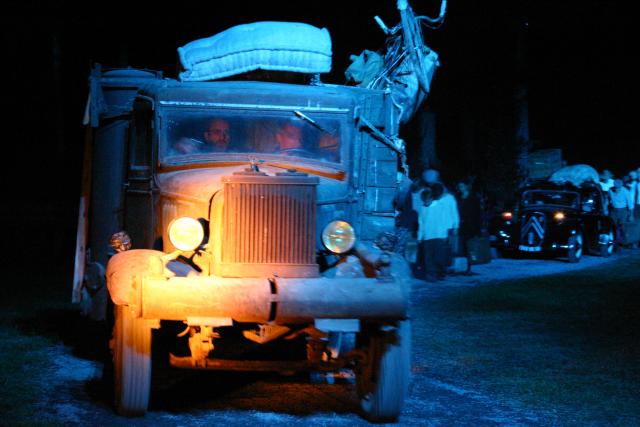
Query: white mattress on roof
(278, 46)
(575, 174)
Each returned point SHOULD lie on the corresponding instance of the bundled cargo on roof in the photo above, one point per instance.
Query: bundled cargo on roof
(407, 66)
(575, 174)
(268, 45)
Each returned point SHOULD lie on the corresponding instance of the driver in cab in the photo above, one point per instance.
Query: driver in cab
(289, 139)
(216, 135)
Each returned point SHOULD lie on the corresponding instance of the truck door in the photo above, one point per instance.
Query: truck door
(139, 215)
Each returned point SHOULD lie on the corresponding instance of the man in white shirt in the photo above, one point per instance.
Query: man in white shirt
(620, 202)
(450, 207)
(632, 187)
(435, 223)
(635, 175)
(606, 180)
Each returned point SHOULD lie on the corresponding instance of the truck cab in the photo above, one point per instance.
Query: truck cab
(246, 214)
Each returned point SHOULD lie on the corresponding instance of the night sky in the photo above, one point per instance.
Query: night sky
(576, 59)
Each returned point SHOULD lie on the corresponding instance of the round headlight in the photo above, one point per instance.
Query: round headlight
(338, 237)
(186, 233)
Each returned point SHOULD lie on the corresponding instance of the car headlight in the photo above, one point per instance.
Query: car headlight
(338, 236)
(559, 216)
(186, 233)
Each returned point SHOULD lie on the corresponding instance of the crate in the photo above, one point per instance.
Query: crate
(543, 163)
(630, 232)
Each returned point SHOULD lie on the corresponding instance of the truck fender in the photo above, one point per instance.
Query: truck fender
(125, 269)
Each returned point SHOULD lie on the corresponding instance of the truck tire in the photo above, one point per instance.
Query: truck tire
(131, 362)
(574, 253)
(383, 381)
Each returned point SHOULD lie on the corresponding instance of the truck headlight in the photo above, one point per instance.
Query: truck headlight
(186, 233)
(338, 236)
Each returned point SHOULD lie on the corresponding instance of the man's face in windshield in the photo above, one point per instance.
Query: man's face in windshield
(289, 137)
(217, 135)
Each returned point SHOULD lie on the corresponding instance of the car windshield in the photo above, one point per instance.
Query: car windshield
(199, 136)
(567, 199)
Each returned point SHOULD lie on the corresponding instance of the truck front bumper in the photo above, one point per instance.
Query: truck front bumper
(278, 300)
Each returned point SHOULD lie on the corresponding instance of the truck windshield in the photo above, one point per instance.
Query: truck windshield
(567, 199)
(193, 136)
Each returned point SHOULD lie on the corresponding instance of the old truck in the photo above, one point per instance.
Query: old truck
(250, 247)
(253, 220)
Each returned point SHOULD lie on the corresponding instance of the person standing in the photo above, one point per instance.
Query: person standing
(606, 180)
(430, 242)
(470, 218)
(636, 210)
(449, 207)
(619, 202)
(406, 219)
(630, 184)
(434, 227)
(634, 190)
(416, 203)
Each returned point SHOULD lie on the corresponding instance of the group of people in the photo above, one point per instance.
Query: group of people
(623, 194)
(442, 223)
(286, 139)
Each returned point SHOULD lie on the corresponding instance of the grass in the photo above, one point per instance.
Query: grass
(566, 344)
(36, 315)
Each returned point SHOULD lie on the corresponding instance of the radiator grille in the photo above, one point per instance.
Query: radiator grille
(269, 226)
(533, 229)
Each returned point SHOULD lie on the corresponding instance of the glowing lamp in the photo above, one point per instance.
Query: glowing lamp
(186, 233)
(338, 237)
(507, 215)
(558, 216)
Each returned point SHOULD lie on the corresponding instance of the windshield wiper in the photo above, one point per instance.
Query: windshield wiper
(310, 120)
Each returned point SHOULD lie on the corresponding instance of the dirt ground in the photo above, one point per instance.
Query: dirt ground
(74, 390)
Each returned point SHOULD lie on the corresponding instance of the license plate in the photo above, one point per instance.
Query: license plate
(530, 248)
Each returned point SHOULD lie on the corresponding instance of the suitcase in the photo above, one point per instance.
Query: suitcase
(479, 250)
(630, 232)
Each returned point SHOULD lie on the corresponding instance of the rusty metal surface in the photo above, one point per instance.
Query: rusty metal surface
(246, 300)
(326, 298)
(268, 270)
(280, 300)
(240, 365)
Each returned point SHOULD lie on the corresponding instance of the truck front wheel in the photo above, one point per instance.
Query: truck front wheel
(383, 380)
(131, 348)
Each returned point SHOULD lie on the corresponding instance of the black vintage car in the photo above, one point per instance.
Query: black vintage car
(556, 219)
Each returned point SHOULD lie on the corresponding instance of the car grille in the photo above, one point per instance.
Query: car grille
(269, 225)
(533, 229)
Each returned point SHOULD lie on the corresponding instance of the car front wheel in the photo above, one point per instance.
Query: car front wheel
(575, 247)
(607, 243)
